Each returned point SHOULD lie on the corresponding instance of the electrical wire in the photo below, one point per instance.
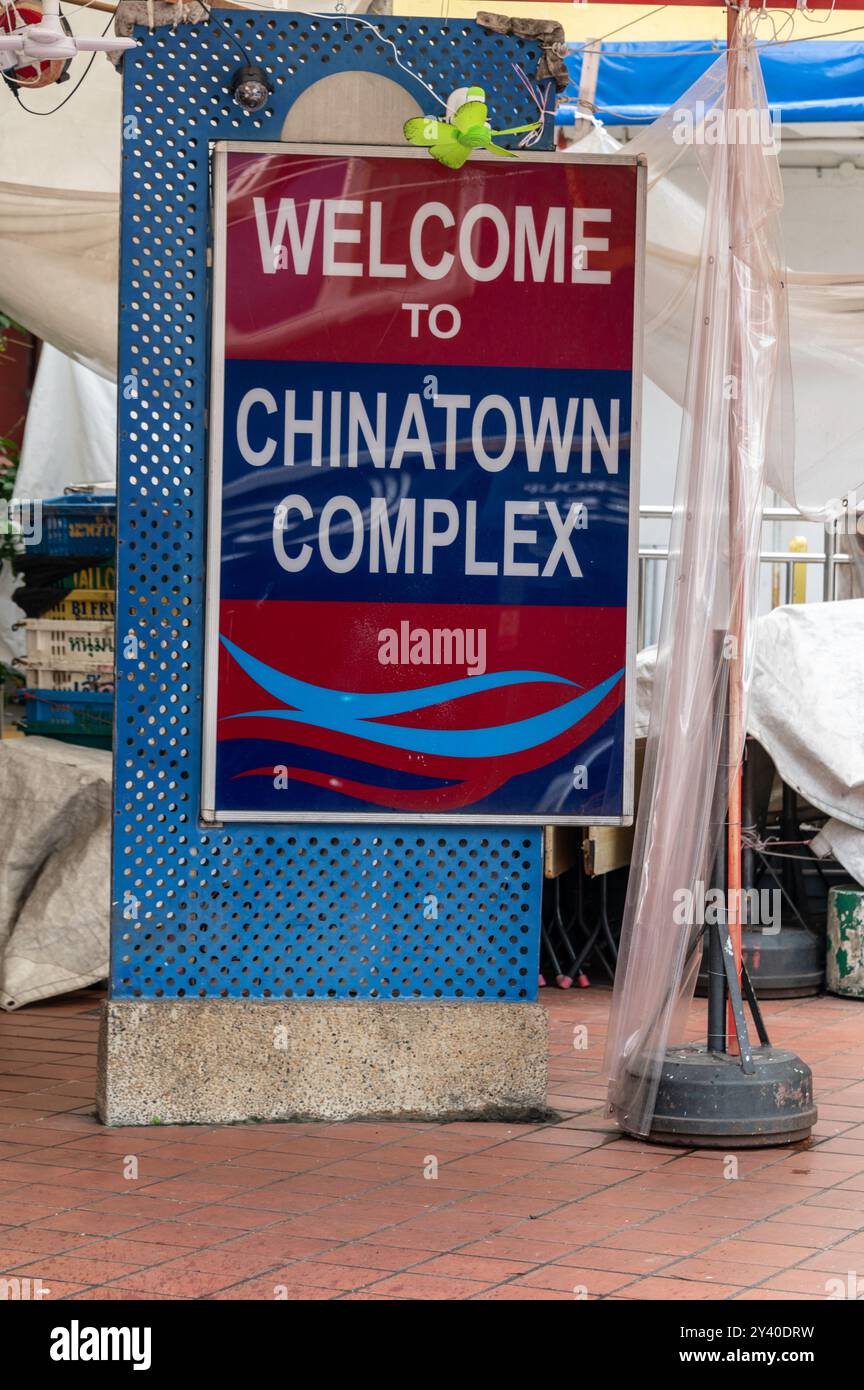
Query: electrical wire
(337, 17)
(229, 33)
(762, 13)
(622, 27)
(80, 8)
(367, 24)
(809, 38)
(718, 47)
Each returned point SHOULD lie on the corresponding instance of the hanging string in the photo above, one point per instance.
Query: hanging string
(750, 20)
(810, 15)
(751, 840)
(540, 102)
(717, 46)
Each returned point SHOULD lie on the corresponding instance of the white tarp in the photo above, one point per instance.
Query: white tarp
(807, 711)
(55, 810)
(844, 843)
(71, 434)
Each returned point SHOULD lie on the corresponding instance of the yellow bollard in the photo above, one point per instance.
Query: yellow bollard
(798, 544)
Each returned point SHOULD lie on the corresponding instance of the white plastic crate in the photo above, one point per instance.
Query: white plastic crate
(65, 678)
(84, 646)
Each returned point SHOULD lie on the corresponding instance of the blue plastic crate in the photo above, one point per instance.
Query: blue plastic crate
(79, 711)
(85, 524)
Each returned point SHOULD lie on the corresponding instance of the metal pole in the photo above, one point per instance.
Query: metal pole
(830, 555)
(748, 856)
(717, 992)
(736, 577)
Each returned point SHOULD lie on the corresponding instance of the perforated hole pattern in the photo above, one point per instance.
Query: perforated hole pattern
(352, 911)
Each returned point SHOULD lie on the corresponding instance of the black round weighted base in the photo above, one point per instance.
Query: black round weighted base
(705, 1100)
(789, 964)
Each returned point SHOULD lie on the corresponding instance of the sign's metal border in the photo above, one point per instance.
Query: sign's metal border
(210, 814)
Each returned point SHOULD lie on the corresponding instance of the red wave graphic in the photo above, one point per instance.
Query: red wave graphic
(473, 780)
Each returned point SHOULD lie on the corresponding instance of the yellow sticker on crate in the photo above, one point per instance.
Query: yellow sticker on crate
(94, 577)
(87, 605)
(99, 528)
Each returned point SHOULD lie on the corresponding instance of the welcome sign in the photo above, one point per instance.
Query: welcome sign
(423, 486)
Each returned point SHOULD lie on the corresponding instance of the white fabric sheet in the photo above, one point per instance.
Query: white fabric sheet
(71, 434)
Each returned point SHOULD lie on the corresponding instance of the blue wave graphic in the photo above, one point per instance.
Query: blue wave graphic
(330, 714)
(315, 698)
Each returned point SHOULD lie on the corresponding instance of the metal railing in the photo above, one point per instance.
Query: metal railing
(651, 556)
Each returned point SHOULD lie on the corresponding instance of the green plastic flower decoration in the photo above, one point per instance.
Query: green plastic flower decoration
(451, 143)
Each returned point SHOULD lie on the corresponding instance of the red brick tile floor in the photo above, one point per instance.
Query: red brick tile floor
(565, 1210)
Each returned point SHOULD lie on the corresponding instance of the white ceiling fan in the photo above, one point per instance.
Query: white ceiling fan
(26, 44)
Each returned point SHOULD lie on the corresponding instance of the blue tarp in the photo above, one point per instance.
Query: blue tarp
(805, 81)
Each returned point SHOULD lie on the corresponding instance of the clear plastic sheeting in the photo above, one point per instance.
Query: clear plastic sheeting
(736, 413)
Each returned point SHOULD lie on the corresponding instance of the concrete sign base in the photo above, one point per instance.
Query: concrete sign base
(227, 1060)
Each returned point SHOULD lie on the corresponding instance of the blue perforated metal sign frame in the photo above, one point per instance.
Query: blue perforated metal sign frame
(262, 912)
